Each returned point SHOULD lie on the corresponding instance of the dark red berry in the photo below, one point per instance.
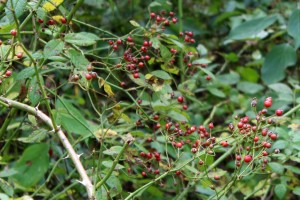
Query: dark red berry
(13, 32)
(88, 76)
(180, 99)
(279, 112)
(63, 20)
(247, 158)
(8, 73)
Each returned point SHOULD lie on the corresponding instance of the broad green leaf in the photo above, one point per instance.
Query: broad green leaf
(32, 165)
(155, 42)
(171, 69)
(249, 88)
(251, 28)
(115, 150)
(216, 92)
(53, 48)
(165, 52)
(161, 74)
(280, 190)
(78, 60)
(229, 79)
(35, 95)
(177, 116)
(18, 6)
(277, 60)
(71, 118)
(296, 190)
(81, 39)
(7, 28)
(25, 73)
(248, 74)
(4, 197)
(35, 137)
(283, 91)
(294, 27)
(6, 187)
(59, 65)
(108, 164)
(280, 144)
(115, 186)
(276, 167)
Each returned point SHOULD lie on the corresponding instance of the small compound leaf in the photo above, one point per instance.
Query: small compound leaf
(53, 48)
(294, 27)
(115, 150)
(78, 60)
(6, 187)
(18, 6)
(34, 92)
(81, 39)
(280, 190)
(134, 23)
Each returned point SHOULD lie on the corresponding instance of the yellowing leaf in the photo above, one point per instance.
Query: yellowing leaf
(58, 18)
(108, 90)
(108, 133)
(294, 127)
(52, 5)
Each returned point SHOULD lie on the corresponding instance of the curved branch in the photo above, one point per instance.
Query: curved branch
(64, 140)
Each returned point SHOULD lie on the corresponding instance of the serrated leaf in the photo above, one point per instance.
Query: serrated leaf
(115, 150)
(52, 5)
(6, 187)
(18, 6)
(78, 60)
(280, 190)
(53, 48)
(32, 165)
(294, 27)
(34, 92)
(134, 23)
(277, 60)
(25, 73)
(35, 137)
(251, 28)
(81, 39)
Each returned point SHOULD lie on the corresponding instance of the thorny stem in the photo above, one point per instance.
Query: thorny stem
(64, 140)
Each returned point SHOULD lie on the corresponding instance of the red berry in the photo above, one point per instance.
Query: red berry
(279, 112)
(119, 41)
(238, 157)
(184, 107)
(256, 139)
(264, 153)
(19, 55)
(178, 172)
(144, 174)
(94, 75)
(273, 136)
(247, 158)
(211, 125)
(142, 154)
(88, 76)
(136, 75)
(63, 20)
(240, 125)
(51, 22)
(217, 178)
(268, 103)
(122, 84)
(141, 64)
(146, 43)
(173, 51)
(13, 32)
(180, 99)
(110, 42)
(174, 20)
(8, 73)
(201, 162)
(40, 21)
(129, 39)
(208, 78)
(156, 171)
(224, 144)
(152, 15)
(149, 155)
(178, 145)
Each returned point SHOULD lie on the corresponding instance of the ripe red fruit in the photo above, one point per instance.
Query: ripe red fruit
(240, 125)
(136, 75)
(119, 41)
(129, 39)
(142, 154)
(122, 84)
(211, 125)
(267, 104)
(224, 143)
(238, 157)
(149, 155)
(88, 76)
(156, 171)
(152, 15)
(51, 22)
(217, 178)
(8, 73)
(94, 75)
(256, 139)
(156, 117)
(19, 55)
(247, 158)
(273, 136)
(178, 173)
(141, 64)
(1, 42)
(264, 153)
(144, 174)
(208, 78)
(185, 107)
(13, 32)
(178, 145)
(171, 14)
(174, 20)
(279, 112)
(180, 99)
(173, 51)
(63, 20)
(110, 42)
(40, 21)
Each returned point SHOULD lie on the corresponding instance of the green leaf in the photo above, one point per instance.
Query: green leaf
(6, 187)
(283, 91)
(251, 28)
(294, 27)
(8, 172)
(171, 69)
(115, 186)
(229, 79)
(155, 42)
(276, 167)
(82, 38)
(115, 150)
(165, 52)
(32, 165)
(71, 118)
(134, 23)
(34, 91)
(161, 74)
(249, 88)
(108, 164)
(177, 116)
(248, 74)
(53, 48)
(35, 137)
(296, 190)
(78, 60)
(18, 6)
(280, 57)
(280, 190)
(25, 73)
(216, 92)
